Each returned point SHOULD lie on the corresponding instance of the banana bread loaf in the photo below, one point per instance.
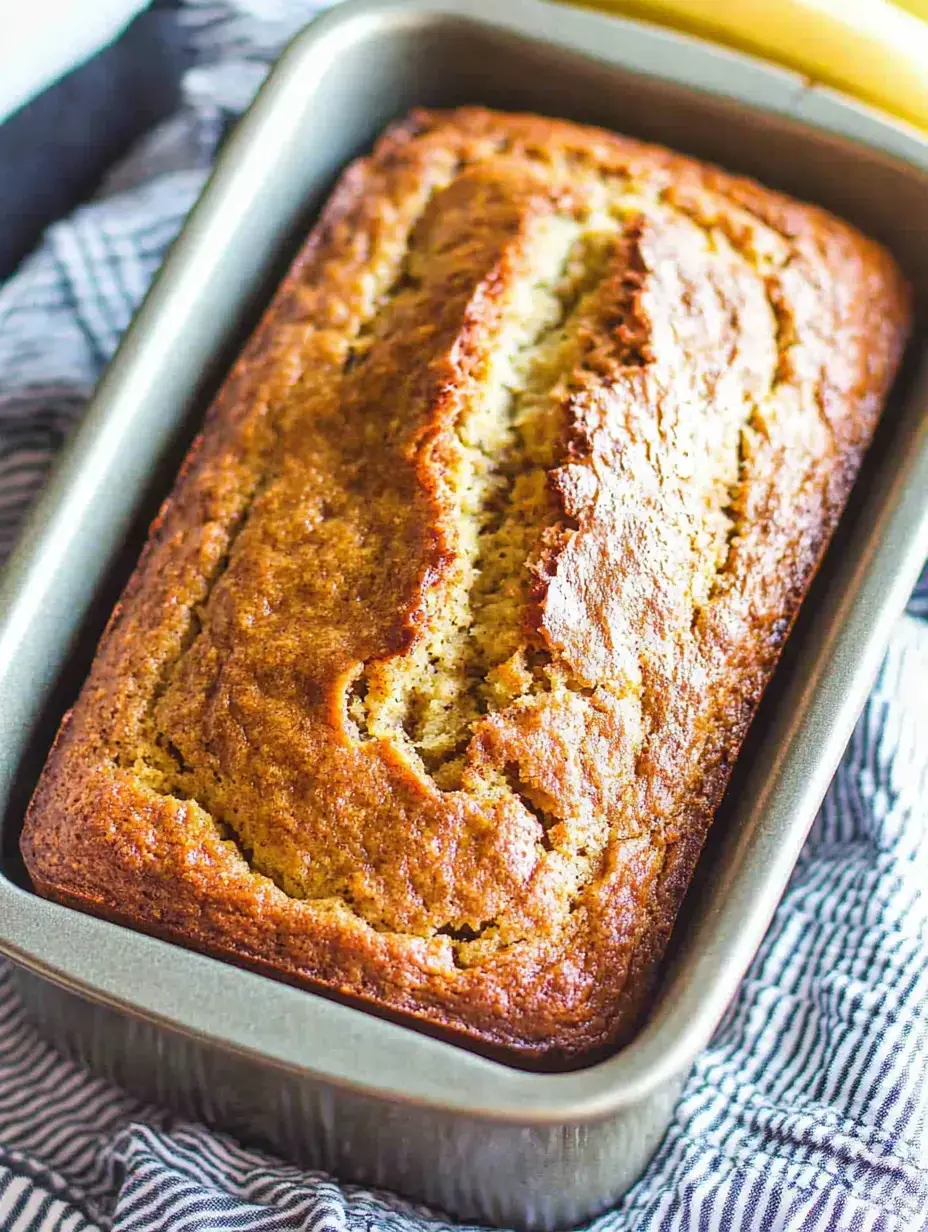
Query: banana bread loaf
(430, 677)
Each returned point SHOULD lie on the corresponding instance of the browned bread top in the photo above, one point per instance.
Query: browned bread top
(429, 680)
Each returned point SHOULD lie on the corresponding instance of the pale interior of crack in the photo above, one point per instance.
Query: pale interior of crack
(475, 656)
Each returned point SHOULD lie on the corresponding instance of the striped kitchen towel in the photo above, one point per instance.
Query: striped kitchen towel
(810, 1108)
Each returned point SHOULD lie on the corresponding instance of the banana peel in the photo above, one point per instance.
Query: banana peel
(872, 49)
(918, 7)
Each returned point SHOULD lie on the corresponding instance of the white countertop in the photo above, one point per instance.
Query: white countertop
(40, 40)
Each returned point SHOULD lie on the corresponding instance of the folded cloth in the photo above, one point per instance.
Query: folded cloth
(809, 1110)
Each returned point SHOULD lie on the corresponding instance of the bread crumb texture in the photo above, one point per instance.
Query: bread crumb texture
(429, 680)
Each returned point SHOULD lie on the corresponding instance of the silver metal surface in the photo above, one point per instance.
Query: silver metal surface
(322, 1082)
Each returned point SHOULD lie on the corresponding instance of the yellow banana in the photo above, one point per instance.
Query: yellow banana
(873, 49)
(918, 7)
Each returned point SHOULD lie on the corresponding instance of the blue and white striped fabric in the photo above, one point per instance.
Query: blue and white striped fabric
(810, 1108)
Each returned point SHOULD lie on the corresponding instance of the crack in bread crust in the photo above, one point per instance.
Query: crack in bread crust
(428, 683)
(473, 657)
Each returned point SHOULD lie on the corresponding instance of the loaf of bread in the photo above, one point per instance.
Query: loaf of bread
(429, 680)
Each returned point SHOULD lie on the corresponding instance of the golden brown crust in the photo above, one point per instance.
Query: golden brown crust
(427, 685)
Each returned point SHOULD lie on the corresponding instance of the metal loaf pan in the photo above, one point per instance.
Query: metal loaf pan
(321, 1082)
